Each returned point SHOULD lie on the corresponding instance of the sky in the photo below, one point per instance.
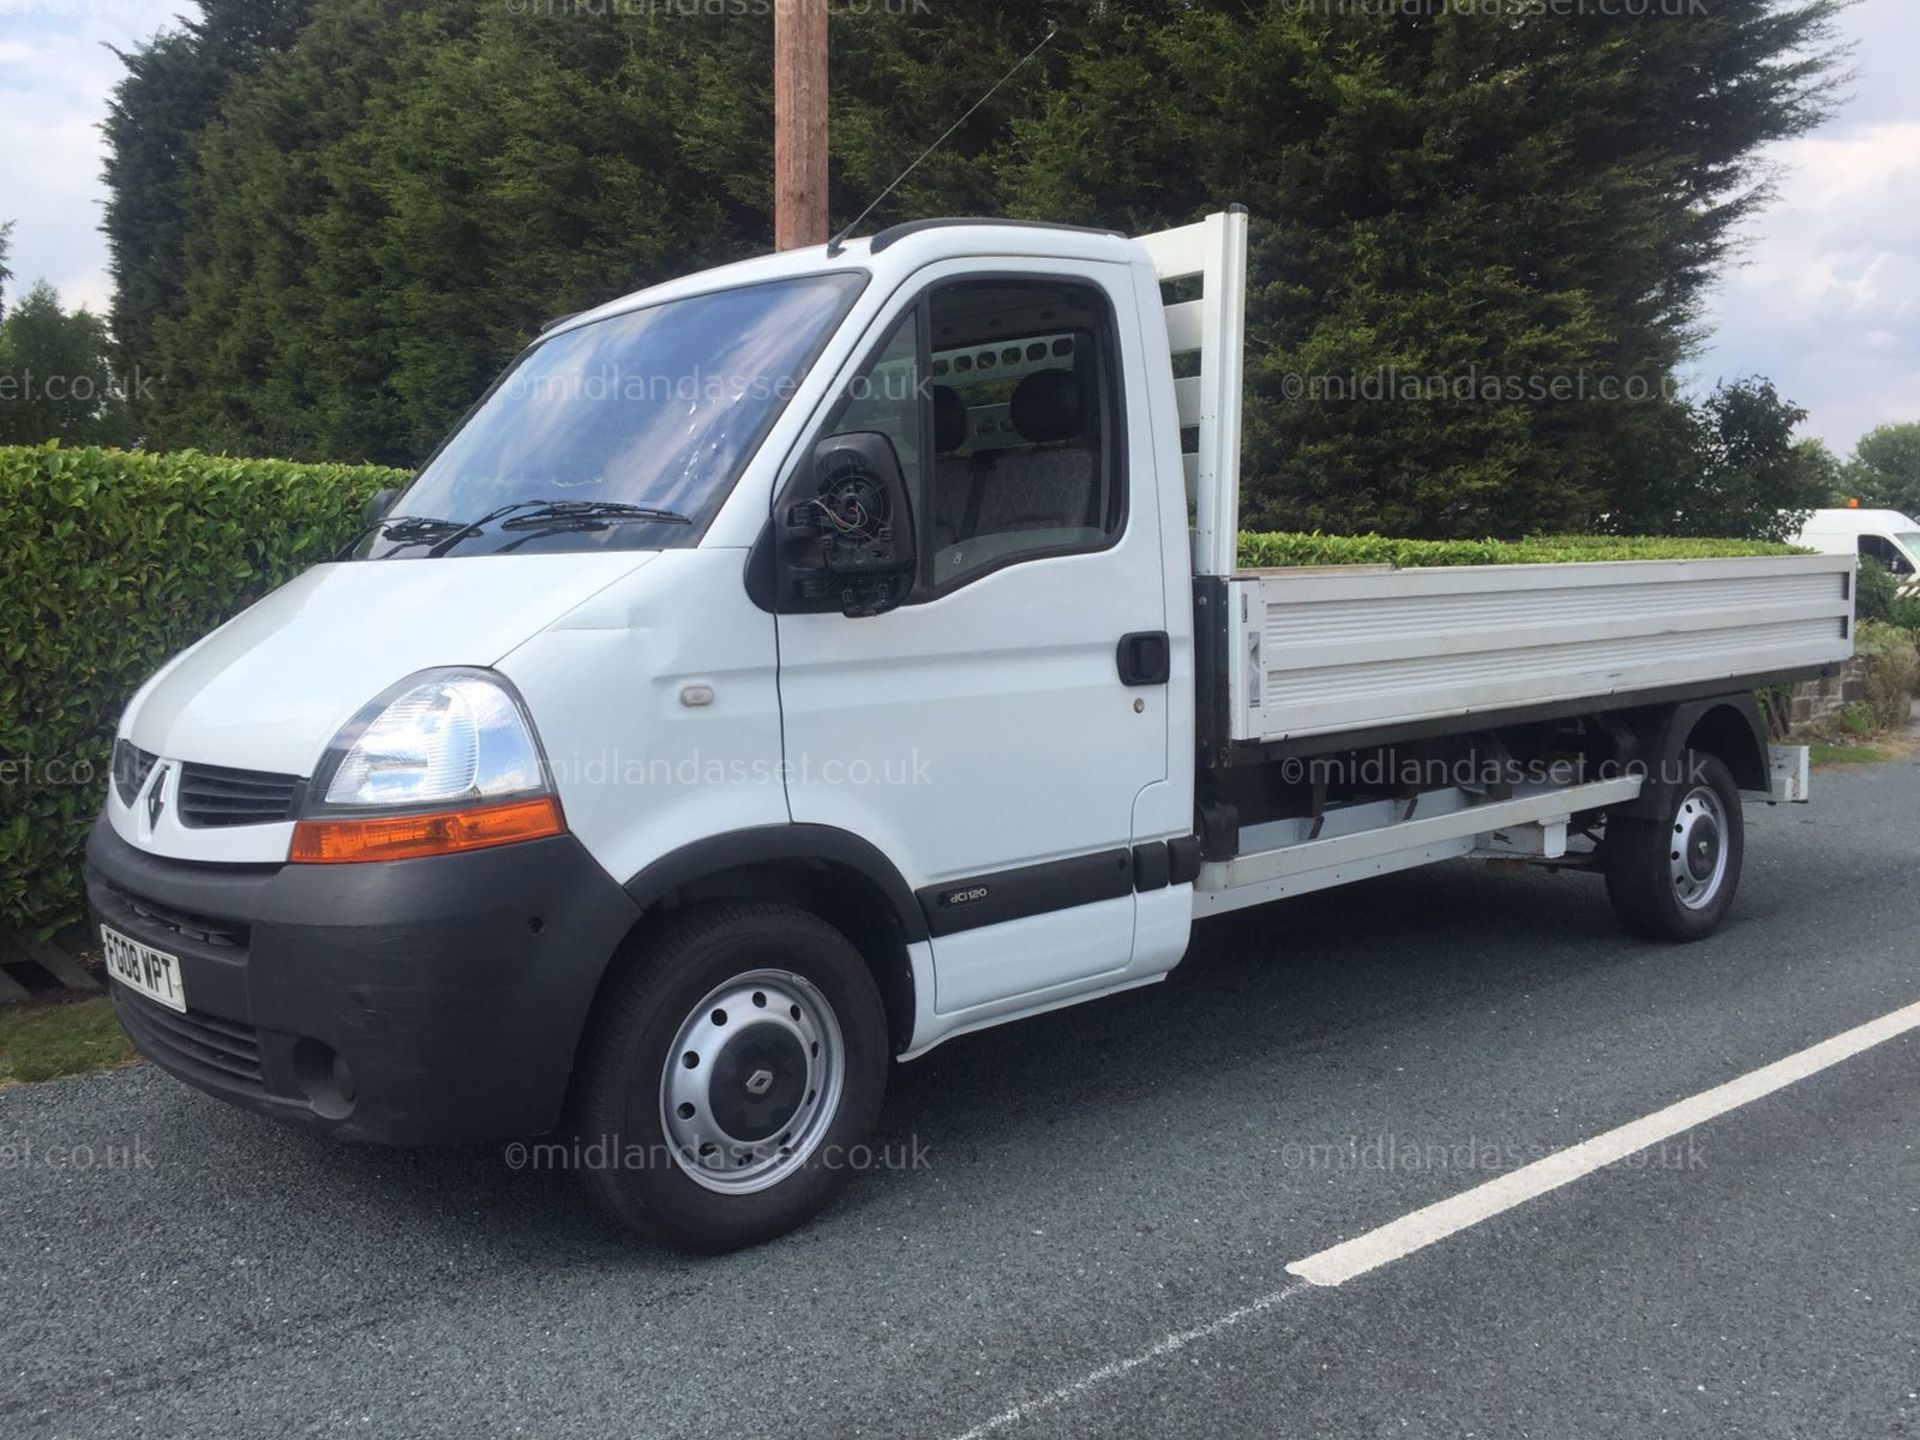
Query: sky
(1825, 300)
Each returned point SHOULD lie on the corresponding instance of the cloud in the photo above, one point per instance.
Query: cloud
(1827, 300)
(59, 73)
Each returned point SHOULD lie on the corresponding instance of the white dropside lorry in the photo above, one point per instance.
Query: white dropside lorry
(788, 668)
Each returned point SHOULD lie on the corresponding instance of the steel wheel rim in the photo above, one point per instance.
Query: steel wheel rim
(1697, 855)
(762, 1041)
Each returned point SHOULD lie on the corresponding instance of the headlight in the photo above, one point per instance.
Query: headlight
(448, 738)
(445, 761)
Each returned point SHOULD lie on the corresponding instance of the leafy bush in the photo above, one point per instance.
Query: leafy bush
(1893, 672)
(109, 562)
(1259, 551)
(1878, 591)
(1857, 721)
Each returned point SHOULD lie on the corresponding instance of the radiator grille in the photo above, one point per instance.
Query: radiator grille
(212, 795)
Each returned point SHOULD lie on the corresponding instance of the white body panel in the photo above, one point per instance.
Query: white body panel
(272, 687)
(1318, 652)
(640, 771)
(269, 689)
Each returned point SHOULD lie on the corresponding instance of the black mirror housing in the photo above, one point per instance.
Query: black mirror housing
(381, 503)
(845, 530)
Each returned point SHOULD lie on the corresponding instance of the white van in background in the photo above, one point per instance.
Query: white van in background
(1884, 535)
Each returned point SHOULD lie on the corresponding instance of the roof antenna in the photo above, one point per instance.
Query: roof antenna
(834, 245)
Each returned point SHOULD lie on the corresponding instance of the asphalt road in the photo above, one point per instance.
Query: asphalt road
(1095, 1238)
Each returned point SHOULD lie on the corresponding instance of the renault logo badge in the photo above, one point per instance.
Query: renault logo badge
(157, 796)
(759, 1082)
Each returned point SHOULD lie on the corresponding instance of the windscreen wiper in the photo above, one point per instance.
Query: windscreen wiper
(558, 514)
(562, 511)
(402, 530)
(583, 515)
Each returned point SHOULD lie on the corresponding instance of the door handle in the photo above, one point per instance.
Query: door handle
(1145, 658)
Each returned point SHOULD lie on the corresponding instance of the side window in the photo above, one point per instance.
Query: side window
(1025, 426)
(1878, 547)
(1875, 547)
(887, 397)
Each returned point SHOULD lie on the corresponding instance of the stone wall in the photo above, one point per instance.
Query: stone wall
(1817, 700)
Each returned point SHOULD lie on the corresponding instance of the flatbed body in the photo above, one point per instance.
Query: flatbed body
(1319, 652)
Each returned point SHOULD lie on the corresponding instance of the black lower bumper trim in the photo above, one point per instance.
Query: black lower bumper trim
(453, 990)
(218, 1053)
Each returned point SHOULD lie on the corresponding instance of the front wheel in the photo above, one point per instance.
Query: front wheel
(1674, 879)
(734, 1071)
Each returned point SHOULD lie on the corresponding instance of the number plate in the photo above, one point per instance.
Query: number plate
(154, 973)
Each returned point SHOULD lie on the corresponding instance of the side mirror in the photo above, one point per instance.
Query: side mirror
(381, 503)
(846, 537)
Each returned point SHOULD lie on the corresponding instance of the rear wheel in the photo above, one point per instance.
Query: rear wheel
(732, 1072)
(1675, 879)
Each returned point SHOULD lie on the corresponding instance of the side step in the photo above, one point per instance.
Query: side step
(1403, 835)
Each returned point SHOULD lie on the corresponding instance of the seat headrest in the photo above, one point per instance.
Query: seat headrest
(1047, 405)
(949, 419)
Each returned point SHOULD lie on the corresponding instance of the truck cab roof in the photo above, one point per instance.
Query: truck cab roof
(893, 252)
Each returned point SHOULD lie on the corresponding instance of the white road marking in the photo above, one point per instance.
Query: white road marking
(1413, 1232)
(1179, 1340)
(1422, 1228)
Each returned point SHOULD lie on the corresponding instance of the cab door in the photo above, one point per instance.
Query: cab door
(991, 734)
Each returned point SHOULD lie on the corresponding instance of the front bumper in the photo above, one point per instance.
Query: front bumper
(409, 1001)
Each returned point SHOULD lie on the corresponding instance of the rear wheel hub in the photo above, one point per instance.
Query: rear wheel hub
(1697, 849)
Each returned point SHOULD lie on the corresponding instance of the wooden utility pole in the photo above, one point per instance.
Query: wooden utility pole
(799, 123)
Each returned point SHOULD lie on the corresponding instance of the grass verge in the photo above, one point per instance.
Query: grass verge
(1824, 754)
(42, 1042)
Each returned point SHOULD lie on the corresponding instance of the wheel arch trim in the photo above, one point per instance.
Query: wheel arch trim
(764, 845)
(1728, 727)
(893, 941)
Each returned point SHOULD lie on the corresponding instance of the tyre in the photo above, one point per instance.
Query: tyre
(1674, 879)
(732, 1071)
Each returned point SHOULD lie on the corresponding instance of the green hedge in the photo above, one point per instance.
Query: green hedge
(109, 562)
(1265, 551)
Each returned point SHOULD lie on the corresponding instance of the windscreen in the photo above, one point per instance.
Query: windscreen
(659, 407)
